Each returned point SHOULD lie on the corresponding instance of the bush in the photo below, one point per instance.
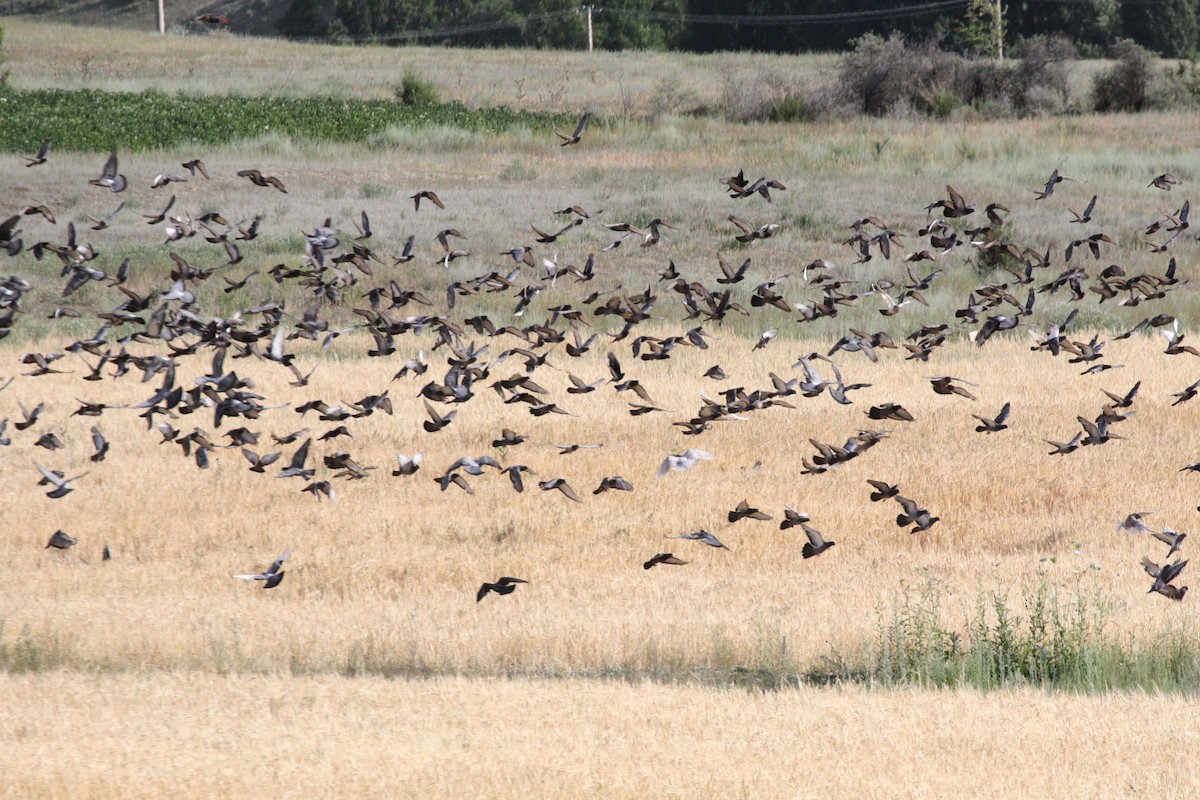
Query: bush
(769, 95)
(888, 76)
(789, 109)
(1042, 79)
(875, 76)
(414, 90)
(1128, 84)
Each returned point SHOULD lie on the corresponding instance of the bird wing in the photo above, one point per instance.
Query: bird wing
(579, 129)
(110, 167)
(301, 455)
(50, 476)
(277, 563)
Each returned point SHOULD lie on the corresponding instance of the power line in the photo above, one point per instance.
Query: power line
(444, 33)
(747, 20)
(897, 12)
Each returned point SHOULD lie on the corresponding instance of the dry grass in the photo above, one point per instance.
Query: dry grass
(211, 737)
(383, 579)
(613, 84)
(495, 188)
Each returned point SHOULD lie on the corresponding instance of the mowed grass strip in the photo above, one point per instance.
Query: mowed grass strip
(92, 120)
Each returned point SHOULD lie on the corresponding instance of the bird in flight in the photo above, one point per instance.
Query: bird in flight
(1133, 523)
(577, 135)
(258, 179)
(60, 541)
(1164, 576)
(505, 585)
(685, 460)
(701, 536)
(109, 178)
(1165, 182)
(273, 576)
(426, 194)
(62, 484)
(993, 425)
(663, 558)
(39, 157)
(816, 543)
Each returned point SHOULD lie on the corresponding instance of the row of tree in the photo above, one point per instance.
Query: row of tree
(1169, 27)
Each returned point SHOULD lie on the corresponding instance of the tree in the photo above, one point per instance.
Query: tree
(981, 30)
(636, 24)
(564, 26)
(1168, 27)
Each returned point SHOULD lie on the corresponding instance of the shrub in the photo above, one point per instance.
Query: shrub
(876, 74)
(1128, 84)
(415, 90)
(1135, 83)
(1042, 75)
(889, 76)
(789, 108)
(769, 95)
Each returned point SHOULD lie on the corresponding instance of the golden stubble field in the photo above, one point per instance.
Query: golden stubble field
(383, 578)
(200, 735)
(371, 669)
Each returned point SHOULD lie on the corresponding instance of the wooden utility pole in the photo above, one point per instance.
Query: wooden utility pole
(162, 18)
(589, 23)
(999, 32)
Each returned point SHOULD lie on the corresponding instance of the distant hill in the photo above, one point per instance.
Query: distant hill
(251, 17)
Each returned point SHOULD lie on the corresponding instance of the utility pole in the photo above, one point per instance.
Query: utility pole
(999, 32)
(588, 8)
(162, 18)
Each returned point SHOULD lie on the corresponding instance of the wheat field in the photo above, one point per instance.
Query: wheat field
(372, 669)
(206, 736)
(383, 578)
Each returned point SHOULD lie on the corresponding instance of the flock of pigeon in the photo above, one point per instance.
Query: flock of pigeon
(150, 335)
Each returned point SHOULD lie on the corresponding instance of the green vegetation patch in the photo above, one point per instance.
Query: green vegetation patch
(92, 120)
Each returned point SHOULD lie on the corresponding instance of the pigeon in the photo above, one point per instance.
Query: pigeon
(61, 541)
(272, 576)
(663, 558)
(62, 485)
(701, 536)
(816, 543)
(109, 179)
(1133, 523)
(505, 585)
(685, 460)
